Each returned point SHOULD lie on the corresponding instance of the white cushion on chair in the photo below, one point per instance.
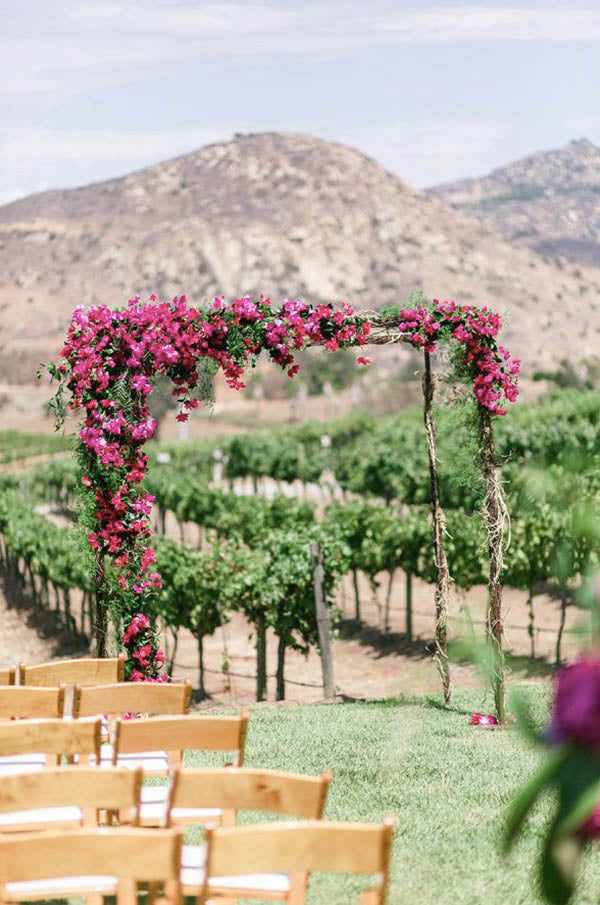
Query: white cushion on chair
(154, 808)
(193, 860)
(59, 888)
(41, 817)
(150, 761)
(22, 763)
(157, 761)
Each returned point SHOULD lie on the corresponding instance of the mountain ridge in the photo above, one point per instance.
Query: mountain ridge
(285, 214)
(549, 201)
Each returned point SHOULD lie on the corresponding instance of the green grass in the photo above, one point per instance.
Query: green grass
(448, 783)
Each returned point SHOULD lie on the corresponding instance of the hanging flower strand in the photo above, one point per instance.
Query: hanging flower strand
(111, 359)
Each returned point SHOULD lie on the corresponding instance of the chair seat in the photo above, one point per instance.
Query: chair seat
(193, 860)
(149, 761)
(40, 818)
(153, 809)
(21, 763)
(59, 888)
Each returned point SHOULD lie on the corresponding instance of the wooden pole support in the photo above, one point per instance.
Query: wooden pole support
(438, 519)
(323, 621)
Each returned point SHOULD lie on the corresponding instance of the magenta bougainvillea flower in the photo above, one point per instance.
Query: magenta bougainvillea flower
(482, 719)
(576, 713)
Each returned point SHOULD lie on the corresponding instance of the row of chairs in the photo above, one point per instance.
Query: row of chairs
(75, 798)
(111, 862)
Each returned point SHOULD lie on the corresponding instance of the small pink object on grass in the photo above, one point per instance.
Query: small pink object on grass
(481, 719)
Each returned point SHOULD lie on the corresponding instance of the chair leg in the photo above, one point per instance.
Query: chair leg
(298, 884)
(126, 892)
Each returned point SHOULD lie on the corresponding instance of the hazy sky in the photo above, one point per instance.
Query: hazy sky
(434, 91)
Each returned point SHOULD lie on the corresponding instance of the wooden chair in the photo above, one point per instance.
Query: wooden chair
(134, 740)
(68, 797)
(132, 697)
(233, 789)
(34, 744)
(234, 855)
(29, 703)
(79, 671)
(112, 861)
(7, 676)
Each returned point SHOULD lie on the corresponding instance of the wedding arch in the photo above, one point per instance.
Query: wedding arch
(112, 358)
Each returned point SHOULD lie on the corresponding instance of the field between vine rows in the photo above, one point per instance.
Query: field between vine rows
(368, 662)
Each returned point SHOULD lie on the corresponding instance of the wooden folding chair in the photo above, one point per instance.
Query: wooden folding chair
(234, 855)
(132, 698)
(78, 671)
(68, 797)
(221, 793)
(113, 861)
(34, 744)
(7, 676)
(137, 741)
(29, 703)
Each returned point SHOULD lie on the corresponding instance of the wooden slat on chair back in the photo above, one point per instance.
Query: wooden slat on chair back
(80, 671)
(308, 846)
(245, 789)
(53, 736)
(7, 676)
(125, 853)
(177, 734)
(113, 789)
(132, 697)
(17, 702)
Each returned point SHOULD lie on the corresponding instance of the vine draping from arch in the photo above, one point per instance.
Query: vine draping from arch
(111, 359)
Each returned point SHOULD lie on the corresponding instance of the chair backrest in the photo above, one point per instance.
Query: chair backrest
(113, 789)
(28, 703)
(126, 853)
(132, 697)
(80, 671)
(58, 737)
(246, 789)
(308, 846)
(7, 676)
(177, 734)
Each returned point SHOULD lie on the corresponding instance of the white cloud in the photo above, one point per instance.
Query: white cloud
(91, 43)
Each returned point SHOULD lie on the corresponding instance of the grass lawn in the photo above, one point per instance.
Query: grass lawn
(448, 783)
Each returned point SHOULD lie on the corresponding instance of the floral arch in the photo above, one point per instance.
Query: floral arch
(111, 359)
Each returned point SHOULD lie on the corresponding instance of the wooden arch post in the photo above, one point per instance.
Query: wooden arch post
(494, 512)
(438, 526)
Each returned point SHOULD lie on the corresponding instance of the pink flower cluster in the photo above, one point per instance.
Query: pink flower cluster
(110, 361)
(138, 638)
(494, 374)
(482, 719)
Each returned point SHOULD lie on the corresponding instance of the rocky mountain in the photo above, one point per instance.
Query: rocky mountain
(549, 201)
(287, 215)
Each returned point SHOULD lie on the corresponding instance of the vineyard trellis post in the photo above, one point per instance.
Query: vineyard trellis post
(323, 621)
(442, 584)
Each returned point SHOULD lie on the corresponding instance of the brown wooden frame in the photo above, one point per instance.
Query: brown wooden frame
(28, 703)
(114, 790)
(132, 697)
(176, 734)
(7, 676)
(78, 671)
(52, 737)
(307, 846)
(131, 855)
